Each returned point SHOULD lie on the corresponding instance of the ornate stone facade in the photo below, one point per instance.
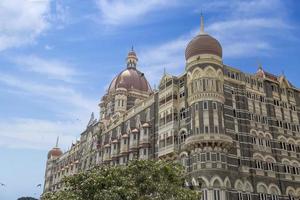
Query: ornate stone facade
(236, 134)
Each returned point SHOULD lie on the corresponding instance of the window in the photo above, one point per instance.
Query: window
(291, 197)
(205, 105)
(270, 166)
(181, 94)
(204, 195)
(214, 105)
(125, 141)
(287, 169)
(268, 144)
(248, 195)
(145, 151)
(262, 196)
(240, 196)
(216, 129)
(258, 164)
(206, 129)
(217, 195)
(295, 170)
(183, 113)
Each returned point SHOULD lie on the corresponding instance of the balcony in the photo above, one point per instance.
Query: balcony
(166, 151)
(220, 140)
(114, 149)
(106, 155)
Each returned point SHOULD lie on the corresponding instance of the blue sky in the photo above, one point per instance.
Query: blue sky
(57, 58)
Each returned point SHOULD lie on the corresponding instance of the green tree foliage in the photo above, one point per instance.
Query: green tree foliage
(139, 180)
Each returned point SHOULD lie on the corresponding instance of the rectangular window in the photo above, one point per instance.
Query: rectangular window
(216, 129)
(205, 105)
(214, 105)
(204, 195)
(207, 156)
(240, 196)
(217, 194)
(206, 129)
(248, 196)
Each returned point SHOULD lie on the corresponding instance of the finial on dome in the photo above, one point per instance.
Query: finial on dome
(57, 139)
(201, 24)
(132, 48)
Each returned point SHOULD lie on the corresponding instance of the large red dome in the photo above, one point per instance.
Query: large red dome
(130, 79)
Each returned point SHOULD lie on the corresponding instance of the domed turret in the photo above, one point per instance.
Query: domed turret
(205, 85)
(55, 152)
(130, 78)
(203, 43)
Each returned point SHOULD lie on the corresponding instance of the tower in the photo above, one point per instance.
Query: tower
(205, 84)
(53, 154)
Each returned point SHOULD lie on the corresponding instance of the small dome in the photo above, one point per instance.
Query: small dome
(55, 152)
(130, 79)
(203, 44)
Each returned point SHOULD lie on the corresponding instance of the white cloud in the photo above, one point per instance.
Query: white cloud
(53, 69)
(118, 12)
(248, 37)
(169, 55)
(48, 47)
(37, 133)
(70, 106)
(244, 29)
(21, 21)
(59, 93)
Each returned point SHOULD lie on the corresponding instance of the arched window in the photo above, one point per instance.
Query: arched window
(274, 191)
(291, 193)
(217, 191)
(203, 184)
(270, 163)
(263, 191)
(258, 161)
(249, 190)
(287, 168)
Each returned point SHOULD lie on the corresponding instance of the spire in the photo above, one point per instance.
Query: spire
(201, 24)
(56, 145)
(132, 48)
(165, 71)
